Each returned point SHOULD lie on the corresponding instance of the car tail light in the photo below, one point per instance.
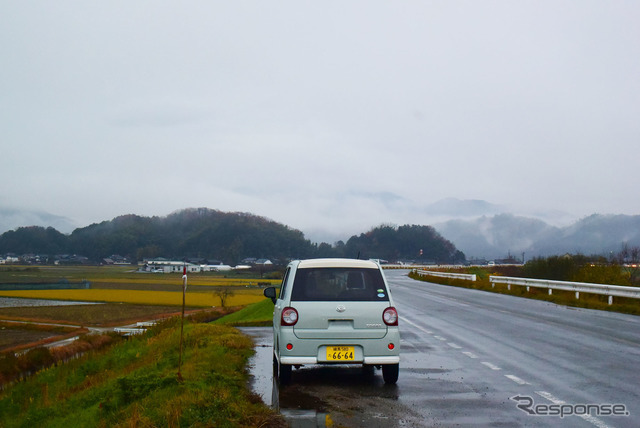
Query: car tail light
(390, 316)
(289, 316)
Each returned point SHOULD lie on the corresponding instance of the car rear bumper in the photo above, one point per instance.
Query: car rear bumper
(314, 351)
(374, 361)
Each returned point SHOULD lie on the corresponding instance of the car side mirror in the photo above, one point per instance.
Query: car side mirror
(270, 292)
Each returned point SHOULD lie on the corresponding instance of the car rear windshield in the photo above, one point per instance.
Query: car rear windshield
(338, 284)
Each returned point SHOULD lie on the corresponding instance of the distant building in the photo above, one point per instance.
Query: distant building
(168, 266)
(116, 259)
(66, 259)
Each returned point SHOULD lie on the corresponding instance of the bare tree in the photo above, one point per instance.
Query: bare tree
(633, 265)
(223, 293)
(629, 259)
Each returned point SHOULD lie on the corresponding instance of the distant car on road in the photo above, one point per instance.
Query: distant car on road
(334, 311)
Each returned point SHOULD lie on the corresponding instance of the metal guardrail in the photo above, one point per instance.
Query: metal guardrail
(418, 266)
(577, 287)
(124, 331)
(465, 276)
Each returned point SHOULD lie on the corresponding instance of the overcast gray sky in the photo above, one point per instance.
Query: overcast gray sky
(335, 115)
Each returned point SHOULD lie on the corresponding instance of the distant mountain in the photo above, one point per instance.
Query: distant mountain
(408, 242)
(495, 237)
(596, 234)
(389, 206)
(34, 240)
(196, 233)
(478, 229)
(11, 219)
(202, 233)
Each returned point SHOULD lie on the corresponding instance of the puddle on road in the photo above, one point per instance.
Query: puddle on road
(301, 410)
(350, 395)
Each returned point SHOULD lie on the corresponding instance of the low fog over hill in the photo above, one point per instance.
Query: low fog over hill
(496, 236)
(11, 218)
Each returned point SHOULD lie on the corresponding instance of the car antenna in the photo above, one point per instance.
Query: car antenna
(358, 255)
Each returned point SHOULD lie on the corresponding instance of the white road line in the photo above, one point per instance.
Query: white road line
(470, 354)
(550, 397)
(440, 338)
(595, 421)
(516, 379)
(491, 366)
(454, 346)
(424, 330)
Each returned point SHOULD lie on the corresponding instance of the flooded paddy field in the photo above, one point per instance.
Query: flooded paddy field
(17, 302)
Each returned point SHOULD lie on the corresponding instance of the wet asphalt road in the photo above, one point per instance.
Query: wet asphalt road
(465, 354)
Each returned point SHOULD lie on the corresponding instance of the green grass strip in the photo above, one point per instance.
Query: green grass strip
(135, 383)
(257, 314)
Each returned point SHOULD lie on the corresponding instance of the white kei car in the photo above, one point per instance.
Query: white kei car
(334, 311)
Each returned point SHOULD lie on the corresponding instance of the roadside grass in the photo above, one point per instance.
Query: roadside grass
(257, 314)
(559, 297)
(135, 383)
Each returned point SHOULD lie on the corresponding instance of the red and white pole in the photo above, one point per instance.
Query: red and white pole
(184, 293)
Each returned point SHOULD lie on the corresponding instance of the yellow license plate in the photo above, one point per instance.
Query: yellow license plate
(340, 353)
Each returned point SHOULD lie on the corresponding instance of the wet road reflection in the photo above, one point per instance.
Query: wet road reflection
(298, 408)
(347, 388)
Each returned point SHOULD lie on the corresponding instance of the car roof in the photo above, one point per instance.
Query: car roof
(345, 263)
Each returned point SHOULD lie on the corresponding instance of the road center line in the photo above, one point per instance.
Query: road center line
(424, 330)
(595, 421)
(470, 354)
(516, 379)
(491, 366)
(440, 338)
(454, 346)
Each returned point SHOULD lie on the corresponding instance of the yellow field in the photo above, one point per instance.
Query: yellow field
(191, 280)
(241, 297)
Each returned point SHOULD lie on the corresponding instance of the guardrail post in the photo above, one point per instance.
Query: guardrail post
(528, 288)
(509, 286)
(577, 295)
(610, 300)
(550, 292)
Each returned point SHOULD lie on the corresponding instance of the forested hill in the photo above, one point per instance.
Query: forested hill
(215, 235)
